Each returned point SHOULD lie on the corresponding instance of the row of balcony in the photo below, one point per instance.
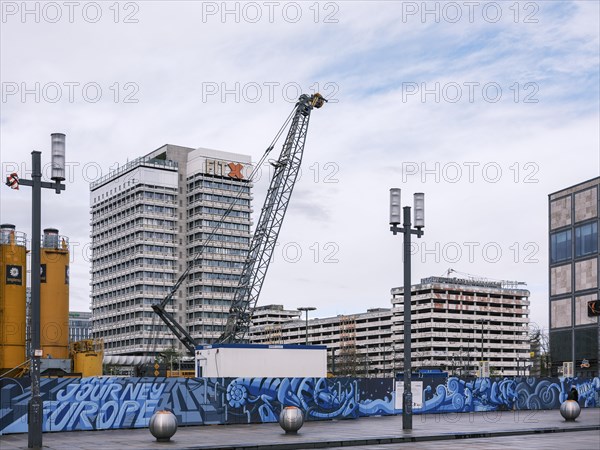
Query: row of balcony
(118, 206)
(464, 299)
(129, 217)
(113, 234)
(130, 309)
(457, 309)
(98, 275)
(461, 335)
(98, 265)
(466, 320)
(134, 295)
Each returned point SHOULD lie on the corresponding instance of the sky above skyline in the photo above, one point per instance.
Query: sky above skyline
(486, 107)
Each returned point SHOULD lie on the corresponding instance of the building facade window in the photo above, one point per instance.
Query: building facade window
(586, 239)
(560, 246)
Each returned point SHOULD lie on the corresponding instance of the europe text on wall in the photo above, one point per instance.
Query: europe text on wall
(111, 403)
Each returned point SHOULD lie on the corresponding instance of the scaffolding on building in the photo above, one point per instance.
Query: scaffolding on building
(273, 334)
(348, 358)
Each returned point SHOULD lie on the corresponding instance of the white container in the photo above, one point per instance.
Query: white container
(261, 361)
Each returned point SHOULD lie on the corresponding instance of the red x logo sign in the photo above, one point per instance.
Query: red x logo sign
(236, 171)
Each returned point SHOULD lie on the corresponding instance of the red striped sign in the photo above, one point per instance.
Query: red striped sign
(13, 181)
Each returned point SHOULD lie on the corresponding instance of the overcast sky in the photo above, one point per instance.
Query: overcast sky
(485, 107)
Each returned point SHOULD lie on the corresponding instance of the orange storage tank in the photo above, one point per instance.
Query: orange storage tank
(54, 295)
(13, 298)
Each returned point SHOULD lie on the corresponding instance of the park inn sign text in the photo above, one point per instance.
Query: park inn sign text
(224, 169)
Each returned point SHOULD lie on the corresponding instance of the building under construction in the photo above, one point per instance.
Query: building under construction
(451, 319)
(357, 345)
(459, 322)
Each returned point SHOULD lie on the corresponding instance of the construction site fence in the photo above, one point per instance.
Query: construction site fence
(101, 403)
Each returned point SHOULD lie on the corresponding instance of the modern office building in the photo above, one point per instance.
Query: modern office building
(573, 277)
(357, 344)
(458, 322)
(80, 325)
(149, 219)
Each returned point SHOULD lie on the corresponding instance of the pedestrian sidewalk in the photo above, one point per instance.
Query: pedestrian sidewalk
(322, 434)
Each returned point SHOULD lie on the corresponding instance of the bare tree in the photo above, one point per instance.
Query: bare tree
(540, 349)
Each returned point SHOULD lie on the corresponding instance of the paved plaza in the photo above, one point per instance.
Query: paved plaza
(581, 440)
(493, 430)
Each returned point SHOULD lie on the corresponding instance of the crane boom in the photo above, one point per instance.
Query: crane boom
(263, 242)
(176, 328)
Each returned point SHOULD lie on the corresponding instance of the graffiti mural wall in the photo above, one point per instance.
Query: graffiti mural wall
(502, 394)
(111, 402)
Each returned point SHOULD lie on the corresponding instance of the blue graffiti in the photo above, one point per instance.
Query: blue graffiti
(497, 394)
(320, 398)
(111, 403)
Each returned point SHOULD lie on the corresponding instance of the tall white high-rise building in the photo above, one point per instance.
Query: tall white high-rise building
(149, 218)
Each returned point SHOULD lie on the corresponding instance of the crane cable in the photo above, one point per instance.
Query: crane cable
(216, 227)
(237, 197)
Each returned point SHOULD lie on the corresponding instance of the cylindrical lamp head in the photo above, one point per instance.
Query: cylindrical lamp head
(58, 156)
(419, 210)
(395, 206)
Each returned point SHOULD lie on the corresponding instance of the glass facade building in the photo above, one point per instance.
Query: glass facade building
(79, 325)
(573, 277)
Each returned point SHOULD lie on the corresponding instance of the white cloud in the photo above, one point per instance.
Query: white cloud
(171, 55)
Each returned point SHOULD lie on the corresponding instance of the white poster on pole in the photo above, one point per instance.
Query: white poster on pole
(484, 369)
(416, 388)
(568, 369)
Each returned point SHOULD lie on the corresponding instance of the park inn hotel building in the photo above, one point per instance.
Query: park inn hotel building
(148, 220)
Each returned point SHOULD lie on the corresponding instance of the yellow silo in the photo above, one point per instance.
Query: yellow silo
(54, 295)
(13, 293)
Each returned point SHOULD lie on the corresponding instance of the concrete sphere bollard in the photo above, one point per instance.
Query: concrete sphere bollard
(570, 409)
(163, 425)
(291, 419)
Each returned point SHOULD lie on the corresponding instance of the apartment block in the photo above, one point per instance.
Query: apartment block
(151, 218)
(357, 344)
(458, 322)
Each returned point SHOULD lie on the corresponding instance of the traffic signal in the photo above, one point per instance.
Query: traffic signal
(593, 308)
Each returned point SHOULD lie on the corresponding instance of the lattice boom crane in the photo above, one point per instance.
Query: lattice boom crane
(263, 242)
(255, 267)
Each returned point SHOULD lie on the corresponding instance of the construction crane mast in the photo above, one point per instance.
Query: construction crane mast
(286, 169)
(255, 267)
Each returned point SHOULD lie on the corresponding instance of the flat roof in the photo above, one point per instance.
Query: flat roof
(575, 188)
(273, 346)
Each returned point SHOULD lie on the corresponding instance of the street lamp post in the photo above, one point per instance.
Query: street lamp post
(333, 361)
(35, 407)
(407, 231)
(306, 309)
(482, 321)
(473, 354)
